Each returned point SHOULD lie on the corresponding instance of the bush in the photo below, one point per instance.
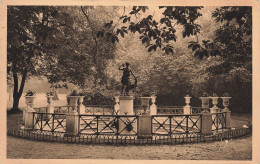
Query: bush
(98, 99)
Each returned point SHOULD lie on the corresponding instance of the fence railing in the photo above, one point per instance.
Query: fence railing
(108, 124)
(41, 109)
(175, 124)
(169, 110)
(62, 109)
(218, 121)
(109, 110)
(99, 109)
(110, 139)
(199, 110)
(114, 124)
(49, 122)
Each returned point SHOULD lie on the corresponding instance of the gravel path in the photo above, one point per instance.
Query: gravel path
(238, 149)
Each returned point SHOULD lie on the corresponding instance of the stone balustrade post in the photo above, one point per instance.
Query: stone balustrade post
(81, 107)
(116, 106)
(225, 103)
(206, 123)
(145, 105)
(50, 108)
(204, 103)
(214, 109)
(28, 112)
(73, 103)
(71, 124)
(228, 119)
(145, 126)
(126, 107)
(29, 120)
(153, 107)
(24, 113)
(187, 108)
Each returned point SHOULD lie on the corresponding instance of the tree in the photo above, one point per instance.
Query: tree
(23, 50)
(156, 34)
(53, 42)
(227, 52)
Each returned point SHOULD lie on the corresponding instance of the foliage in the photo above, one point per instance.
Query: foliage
(57, 43)
(156, 34)
(97, 98)
(49, 94)
(85, 46)
(30, 93)
(74, 93)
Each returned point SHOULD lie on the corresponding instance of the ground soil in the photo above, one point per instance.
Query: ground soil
(237, 149)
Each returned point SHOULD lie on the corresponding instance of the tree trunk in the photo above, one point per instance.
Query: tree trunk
(17, 94)
(15, 107)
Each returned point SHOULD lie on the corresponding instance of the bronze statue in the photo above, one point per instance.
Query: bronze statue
(126, 85)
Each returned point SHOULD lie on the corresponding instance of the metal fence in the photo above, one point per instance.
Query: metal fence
(109, 110)
(49, 122)
(41, 109)
(62, 109)
(197, 110)
(108, 124)
(125, 139)
(175, 124)
(99, 109)
(218, 121)
(169, 110)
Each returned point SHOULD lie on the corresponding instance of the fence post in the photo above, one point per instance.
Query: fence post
(145, 126)
(187, 108)
(228, 119)
(29, 120)
(72, 124)
(206, 123)
(50, 108)
(116, 106)
(24, 113)
(126, 106)
(81, 106)
(153, 107)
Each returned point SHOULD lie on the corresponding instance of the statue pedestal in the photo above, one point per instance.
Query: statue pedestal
(126, 107)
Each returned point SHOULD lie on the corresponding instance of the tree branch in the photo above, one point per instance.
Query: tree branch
(93, 34)
(119, 19)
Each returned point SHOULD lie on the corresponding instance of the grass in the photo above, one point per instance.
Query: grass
(237, 149)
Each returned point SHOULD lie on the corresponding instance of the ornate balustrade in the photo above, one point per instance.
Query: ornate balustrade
(167, 125)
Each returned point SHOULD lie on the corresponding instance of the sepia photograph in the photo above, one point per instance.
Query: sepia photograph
(129, 82)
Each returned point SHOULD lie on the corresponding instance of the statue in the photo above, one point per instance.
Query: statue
(126, 85)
